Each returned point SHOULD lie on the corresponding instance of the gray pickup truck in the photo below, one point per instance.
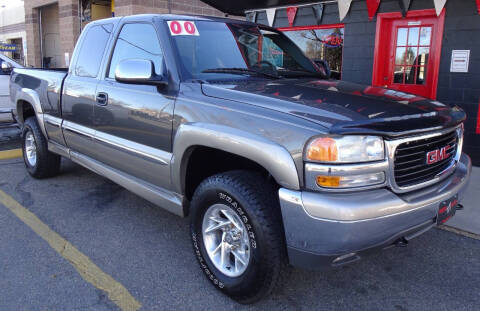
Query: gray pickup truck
(229, 123)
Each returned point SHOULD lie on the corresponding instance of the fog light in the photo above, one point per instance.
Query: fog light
(351, 181)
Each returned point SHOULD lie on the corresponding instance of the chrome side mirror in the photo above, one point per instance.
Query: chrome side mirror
(138, 71)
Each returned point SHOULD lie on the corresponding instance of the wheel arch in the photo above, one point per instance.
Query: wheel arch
(250, 150)
(28, 101)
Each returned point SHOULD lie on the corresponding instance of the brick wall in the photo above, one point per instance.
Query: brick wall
(129, 7)
(461, 32)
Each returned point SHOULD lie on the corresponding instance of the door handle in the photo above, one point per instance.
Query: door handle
(102, 99)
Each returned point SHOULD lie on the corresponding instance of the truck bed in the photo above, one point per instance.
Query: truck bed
(47, 83)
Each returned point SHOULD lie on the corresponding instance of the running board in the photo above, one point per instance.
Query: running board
(171, 201)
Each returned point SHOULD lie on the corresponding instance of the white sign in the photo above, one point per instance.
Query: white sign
(460, 60)
(182, 28)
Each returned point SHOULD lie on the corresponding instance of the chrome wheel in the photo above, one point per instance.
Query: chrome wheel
(30, 148)
(226, 240)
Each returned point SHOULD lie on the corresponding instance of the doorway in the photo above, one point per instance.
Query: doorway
(50, 37)
(408, 50)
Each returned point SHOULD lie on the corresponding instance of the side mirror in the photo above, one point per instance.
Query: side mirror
(7, 67)
(323, 64)
(138, 71)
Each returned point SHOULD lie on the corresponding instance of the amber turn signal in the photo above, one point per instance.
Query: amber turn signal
(323, 149)
(328, 181)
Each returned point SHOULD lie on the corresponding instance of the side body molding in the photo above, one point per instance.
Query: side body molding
(273, 157)
(30, 96)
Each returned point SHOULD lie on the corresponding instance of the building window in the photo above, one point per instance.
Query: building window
(411, 56)
(323, 42)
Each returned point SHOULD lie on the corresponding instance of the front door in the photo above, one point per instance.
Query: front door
(407, 52)
(134, 122)
(78, 96)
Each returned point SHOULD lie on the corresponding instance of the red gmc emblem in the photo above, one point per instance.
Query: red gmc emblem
(437, 155)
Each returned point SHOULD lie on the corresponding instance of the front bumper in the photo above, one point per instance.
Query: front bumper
(328, 229)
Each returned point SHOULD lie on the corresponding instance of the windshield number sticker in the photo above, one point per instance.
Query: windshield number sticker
(182, 28)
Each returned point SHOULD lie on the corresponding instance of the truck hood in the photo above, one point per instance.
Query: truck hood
(343, 107)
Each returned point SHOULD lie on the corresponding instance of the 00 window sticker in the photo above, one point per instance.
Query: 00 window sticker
(183, 28)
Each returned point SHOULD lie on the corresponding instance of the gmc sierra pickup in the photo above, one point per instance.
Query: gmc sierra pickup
(229, 123)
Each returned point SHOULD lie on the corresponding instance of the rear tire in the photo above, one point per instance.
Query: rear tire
(39, 162)
(229, 201)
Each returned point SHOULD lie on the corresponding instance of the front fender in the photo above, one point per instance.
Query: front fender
(270, 155)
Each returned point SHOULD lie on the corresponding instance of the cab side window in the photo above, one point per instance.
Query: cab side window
(137, 41)
(91, 53)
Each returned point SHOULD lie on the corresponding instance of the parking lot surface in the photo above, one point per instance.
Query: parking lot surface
(147, 250)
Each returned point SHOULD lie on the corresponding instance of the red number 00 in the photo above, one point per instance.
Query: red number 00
(189, 27)
(175, 27)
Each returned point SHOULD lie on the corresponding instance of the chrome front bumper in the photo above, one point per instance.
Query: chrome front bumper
(321, 227)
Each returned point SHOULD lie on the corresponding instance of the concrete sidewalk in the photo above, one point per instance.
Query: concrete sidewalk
(468, 219)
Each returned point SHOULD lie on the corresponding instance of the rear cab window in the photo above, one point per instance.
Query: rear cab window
(92, 50)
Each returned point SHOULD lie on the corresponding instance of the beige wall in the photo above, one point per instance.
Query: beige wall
(12, 23)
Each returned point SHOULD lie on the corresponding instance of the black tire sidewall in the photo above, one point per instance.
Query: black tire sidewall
(212, 194)
(48, 163)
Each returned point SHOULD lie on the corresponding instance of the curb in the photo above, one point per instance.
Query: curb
(460, 232)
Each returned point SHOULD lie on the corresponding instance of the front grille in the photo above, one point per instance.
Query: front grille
(410, 159)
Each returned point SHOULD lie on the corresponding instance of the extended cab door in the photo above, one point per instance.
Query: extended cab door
(79, 97)
(134, 123)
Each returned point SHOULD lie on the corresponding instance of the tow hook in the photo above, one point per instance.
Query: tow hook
(459, 207)
(402, 242)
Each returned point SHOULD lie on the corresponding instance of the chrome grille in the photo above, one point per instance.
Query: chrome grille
(410, 159)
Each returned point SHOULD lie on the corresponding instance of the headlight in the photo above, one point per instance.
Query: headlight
(345, 149)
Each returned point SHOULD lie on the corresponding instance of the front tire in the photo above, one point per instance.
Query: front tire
(237, 234)
(39, 162)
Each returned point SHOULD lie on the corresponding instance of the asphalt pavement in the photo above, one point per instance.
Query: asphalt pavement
(148, 251)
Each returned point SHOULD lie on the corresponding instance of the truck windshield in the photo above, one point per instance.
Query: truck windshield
(218, 50)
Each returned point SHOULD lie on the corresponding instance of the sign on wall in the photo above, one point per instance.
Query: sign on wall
(460, 60)
(4, 47)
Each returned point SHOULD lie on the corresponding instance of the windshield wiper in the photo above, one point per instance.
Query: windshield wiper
(241, 71)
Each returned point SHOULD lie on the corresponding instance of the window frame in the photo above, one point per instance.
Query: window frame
(108, 62)
(316, 27)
